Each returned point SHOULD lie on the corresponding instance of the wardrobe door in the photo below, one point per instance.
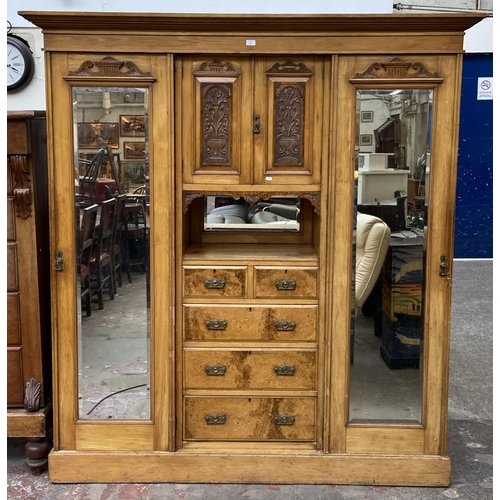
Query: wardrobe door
(288, 111)
(216, 125)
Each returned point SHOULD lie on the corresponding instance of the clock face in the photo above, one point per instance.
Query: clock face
(20, 64)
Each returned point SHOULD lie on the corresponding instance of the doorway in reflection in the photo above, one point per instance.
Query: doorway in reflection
(111, 171)
(389, 240)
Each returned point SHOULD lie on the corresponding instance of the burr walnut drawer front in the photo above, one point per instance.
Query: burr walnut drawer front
(216, 281)
(249, 419)
(244, 369)
(286, 282)
(250, 323)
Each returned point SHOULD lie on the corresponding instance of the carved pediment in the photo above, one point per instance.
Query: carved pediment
(109, 68)
(396, 70)
(216, 68)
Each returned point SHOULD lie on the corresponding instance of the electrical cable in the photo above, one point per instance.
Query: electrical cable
(114, 394)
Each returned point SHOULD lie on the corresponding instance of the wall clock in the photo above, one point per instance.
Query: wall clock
(20, 64)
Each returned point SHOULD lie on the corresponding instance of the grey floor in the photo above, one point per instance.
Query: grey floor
(470, 426)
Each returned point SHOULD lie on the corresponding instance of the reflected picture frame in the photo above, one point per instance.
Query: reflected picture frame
(365, 140)
(366, 116)
(97, 135)
(132, 125)
(134, 150)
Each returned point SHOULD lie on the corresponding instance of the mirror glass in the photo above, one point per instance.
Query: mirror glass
(111, 173)
(224, 213)
(389, 240)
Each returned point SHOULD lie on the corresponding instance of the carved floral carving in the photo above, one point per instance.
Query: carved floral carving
(22, 186)
(32, 395)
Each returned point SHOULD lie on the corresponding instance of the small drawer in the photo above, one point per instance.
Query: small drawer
(251, 323)
(250, 419)
(227, 282)
(236, 369)
(286, 282)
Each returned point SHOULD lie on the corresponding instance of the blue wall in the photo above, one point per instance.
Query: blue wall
(474, 207)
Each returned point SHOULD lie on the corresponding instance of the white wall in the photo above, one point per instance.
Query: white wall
(477, 39)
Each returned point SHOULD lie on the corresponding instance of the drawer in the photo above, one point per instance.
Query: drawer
(237, 369)
(286, 282)
(215, 281)
(249, 419)
(251, 323)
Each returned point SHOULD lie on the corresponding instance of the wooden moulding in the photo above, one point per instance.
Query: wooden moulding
(186, 467)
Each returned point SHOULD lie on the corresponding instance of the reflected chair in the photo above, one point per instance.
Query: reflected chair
(101, 262)
(118, 244)
(86, 242)
(373, 237)
(135, 228)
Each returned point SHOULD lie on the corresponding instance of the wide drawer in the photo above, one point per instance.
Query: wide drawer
(238, 369)
(249, 419)
(215, 281)
(286, 282)
(251, 323)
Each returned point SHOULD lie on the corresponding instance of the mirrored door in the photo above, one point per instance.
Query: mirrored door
(111, 172)
(393, 161)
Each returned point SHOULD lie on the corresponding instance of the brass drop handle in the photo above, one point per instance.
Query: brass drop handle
(256, 124)
(284, 325)
(215, 419)
(215, 370)
(215, 283)
(216, 324)
(284, 370)
(285, 284)
(284, 419)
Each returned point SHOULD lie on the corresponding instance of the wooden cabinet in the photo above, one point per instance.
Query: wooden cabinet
(249, 319)
(251, 120)
(29, 386)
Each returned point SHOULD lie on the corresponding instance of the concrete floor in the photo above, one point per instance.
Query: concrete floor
(470, 427)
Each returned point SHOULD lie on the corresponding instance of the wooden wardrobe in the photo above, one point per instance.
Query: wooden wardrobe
(243, 133)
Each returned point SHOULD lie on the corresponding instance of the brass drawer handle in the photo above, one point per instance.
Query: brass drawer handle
(284, 370)
(284, 325)
(284, 419)
(215, 283)
(215, 370)
(285, 284)
(215, 419)
(216, 324)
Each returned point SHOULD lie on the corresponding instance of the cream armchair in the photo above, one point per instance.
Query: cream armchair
(373, 236)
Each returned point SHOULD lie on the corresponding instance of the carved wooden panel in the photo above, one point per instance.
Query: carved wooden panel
(289, 95)
(216, 124)
(216, 120)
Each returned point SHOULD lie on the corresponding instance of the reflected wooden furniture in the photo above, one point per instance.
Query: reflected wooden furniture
(29, 387)
(251, 403)
(135, 232)
(118, 242)
(87, 236)
(101, 268)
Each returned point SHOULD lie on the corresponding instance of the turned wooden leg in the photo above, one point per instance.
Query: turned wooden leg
(36, 451)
